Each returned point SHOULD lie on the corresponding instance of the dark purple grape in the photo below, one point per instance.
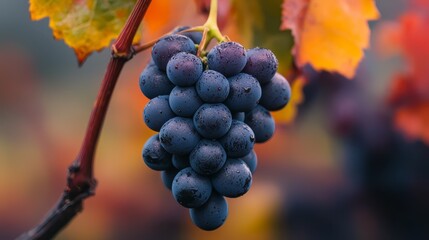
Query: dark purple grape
(251, 160)
(239, 140)
(157, 112)
(261, 63)
(155, 156)
(233, 180)
(169, 45)
(276, 93)
(261, 122)
(212, 120)
(207, 157)
(244, 93)
(184, 69)
(167, 177)
(194, 36)
(228, 58)
(178, 136)
(212, 214)
(154, 82)
(212, 87)
(191, 189)
(184, 101)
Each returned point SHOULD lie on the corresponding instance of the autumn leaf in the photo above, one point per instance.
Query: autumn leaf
(414, 39)
(409, 92)
(84, 25)
(329, 34)
(413, 121)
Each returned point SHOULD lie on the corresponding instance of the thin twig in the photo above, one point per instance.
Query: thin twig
(203, 43)
(80, 181)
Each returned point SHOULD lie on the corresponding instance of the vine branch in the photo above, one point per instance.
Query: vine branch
(80, 181)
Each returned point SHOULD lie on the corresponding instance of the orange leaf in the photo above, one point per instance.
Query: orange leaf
(409, 93)
(388, 39)
(401, 91)
(329, 34)
(414, 43)
(84, 25)
(413, 121)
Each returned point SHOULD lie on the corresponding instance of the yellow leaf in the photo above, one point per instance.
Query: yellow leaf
(84, 25)
(288, 114)
(329, 34)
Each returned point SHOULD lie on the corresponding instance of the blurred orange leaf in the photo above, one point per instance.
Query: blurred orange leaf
(84, 25)
(409, 93)
(414, 39)
(411, 112)
(413, 120)
(329, 34)
(388, 37)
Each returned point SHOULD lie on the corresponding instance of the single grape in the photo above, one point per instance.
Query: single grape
(251, 160)
(184, 69)
(239, 140)
(212, 87)
(178, 136)
(239, 116)
(212, 214)
(157, 112)
(167, 177)
(155, 156)
(180, 161)
(207, 157)
(261, 63)
(228, 58)
(244, 94)
(169, 45)
(190, 189)
(234, 179)
(184, 101)
(194, 36)
(154, 82)
(212, 120)
(276, 93)
(261, 122)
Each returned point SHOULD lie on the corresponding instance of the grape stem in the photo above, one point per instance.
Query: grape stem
(211, 25)
(80, 181)
(203, 43)
(210, 31)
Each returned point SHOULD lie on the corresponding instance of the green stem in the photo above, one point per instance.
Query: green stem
(210, 28)
(210, 31)
(211, 23)
(203, 43)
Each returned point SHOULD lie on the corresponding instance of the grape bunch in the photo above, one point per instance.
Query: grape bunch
(209, 112)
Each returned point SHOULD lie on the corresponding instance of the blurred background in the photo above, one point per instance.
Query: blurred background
(340, 170)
